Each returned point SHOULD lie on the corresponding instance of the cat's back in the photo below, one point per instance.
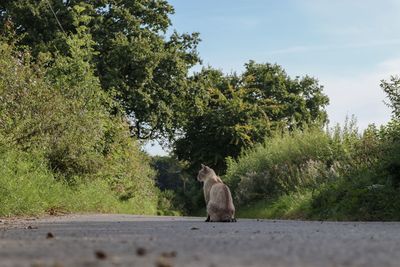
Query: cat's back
(221, 195)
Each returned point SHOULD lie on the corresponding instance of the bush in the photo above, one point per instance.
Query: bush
(390, 153)
(27, 187)
(56, 108)
(356, 199)
(336, 174)
(283, 164)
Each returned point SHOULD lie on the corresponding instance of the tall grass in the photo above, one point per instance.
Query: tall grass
(336, 174)
(295, 205)
(284, 163)
(27, 187)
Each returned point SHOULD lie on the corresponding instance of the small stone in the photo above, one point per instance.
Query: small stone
(194, 228)
(141, 251)
(101, 255)
(49, 235)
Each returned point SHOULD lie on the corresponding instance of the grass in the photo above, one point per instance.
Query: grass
(342, 200)
(291, 206)
(27, 187)
(356, 200)
(352, 176)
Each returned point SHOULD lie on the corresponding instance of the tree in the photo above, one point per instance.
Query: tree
(170, 174)
(55, 108)
(287, 102)
(133, 57)
(392, 90)
(238, 111)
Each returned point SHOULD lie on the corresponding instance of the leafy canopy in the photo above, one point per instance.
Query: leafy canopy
(232, 112)
(133, 56)
(56, 108)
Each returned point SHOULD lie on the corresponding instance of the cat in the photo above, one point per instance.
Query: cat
(217, 195)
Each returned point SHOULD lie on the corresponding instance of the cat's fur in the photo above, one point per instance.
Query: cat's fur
(218, 197)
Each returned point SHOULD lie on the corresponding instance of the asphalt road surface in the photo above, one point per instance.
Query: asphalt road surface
(125, 240)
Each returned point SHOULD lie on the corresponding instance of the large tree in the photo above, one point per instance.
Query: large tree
(133, 58)
(232, 112)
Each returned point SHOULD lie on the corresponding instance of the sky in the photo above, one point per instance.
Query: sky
(348, 45)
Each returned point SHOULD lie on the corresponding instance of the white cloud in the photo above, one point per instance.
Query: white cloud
(360, 95)
(355, 19)
(327, 47)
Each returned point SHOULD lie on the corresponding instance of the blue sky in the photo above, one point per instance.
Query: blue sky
(349, 46)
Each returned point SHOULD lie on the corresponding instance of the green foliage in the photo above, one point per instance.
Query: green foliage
(283, 164)
(336, 174)
(166, 204)
(56, 108)
(27, 187)
(295, 205)
(289, 103)
(390, 153)
(183, 190)
(392, 90)
(133, 57)
(231, 113)
(66, 143)
(170, 173)
(358, 198)
(226, 124)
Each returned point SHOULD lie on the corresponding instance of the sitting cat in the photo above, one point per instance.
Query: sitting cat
(218, 197)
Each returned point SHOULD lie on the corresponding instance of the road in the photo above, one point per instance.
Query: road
(126, 240)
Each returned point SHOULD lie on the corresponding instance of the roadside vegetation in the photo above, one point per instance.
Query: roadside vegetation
(337, 174)
(84, 84)
(65, 144)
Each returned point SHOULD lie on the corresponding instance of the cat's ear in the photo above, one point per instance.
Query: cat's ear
(203, 166)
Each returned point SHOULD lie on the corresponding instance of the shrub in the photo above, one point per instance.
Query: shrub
(358, 198)
(56, 108)
(27, 187)
(336, 174)
(303, 159)
(283, 164)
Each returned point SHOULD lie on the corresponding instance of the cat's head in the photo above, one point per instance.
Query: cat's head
(205, 173)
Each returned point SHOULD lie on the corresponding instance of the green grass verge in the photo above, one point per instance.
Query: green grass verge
(27, 187)
(339, 201)
(292, 206)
